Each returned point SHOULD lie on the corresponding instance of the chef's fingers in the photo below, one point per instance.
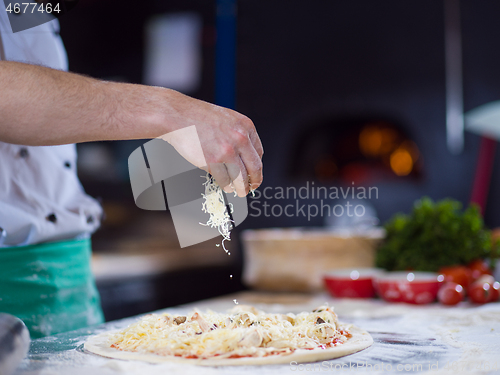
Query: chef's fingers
(257, 144)
(221, 175)
(253, 164)
(239, 177)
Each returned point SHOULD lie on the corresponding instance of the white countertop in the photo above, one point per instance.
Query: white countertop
(425, 339)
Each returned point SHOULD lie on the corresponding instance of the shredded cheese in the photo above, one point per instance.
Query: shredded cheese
(215, 206)
(244, 332)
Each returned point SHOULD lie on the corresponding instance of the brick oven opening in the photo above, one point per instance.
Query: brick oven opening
(359, 150)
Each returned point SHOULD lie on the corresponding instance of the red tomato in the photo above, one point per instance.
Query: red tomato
(478, 268)
(480, 292)
(457, 274)
(451, 293)
(495, 291)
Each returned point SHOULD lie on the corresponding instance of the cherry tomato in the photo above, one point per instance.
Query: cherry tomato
(480, 292)
(457, 274)
(495, 291)
(479, 267)
(451, 293)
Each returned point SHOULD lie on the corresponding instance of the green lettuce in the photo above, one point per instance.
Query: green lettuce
(435, 235)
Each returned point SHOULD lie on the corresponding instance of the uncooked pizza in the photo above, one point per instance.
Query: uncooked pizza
(244, 336)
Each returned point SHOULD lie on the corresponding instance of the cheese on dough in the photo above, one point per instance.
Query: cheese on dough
(244, 332)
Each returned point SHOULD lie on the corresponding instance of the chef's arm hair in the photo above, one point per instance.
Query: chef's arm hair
(43, 106)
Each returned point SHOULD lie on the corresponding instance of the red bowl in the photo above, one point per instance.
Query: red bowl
(351, 282)
(410, 287)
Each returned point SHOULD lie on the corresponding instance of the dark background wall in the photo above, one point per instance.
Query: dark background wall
(299, 60)
(304, 60)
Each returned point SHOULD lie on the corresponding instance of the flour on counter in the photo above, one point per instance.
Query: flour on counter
(403, 334)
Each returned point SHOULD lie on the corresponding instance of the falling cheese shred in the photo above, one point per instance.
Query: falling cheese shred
(215, 206)
(243, 332)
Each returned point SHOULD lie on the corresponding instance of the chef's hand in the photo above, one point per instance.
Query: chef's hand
(232, 150)
(69, 108)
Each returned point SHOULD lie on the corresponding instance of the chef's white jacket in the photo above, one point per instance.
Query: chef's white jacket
(41, 198)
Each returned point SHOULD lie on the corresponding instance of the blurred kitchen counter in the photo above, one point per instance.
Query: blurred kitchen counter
(139, 265)
(135, 282)
(139, 258)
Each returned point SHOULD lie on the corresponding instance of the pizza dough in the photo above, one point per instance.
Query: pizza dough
(357, 340)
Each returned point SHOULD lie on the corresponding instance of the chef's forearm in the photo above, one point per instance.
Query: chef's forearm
(43, 106)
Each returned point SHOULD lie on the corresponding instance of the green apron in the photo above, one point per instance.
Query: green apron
(49, 286)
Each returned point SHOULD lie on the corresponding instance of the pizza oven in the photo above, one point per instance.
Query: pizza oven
(362, 150)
